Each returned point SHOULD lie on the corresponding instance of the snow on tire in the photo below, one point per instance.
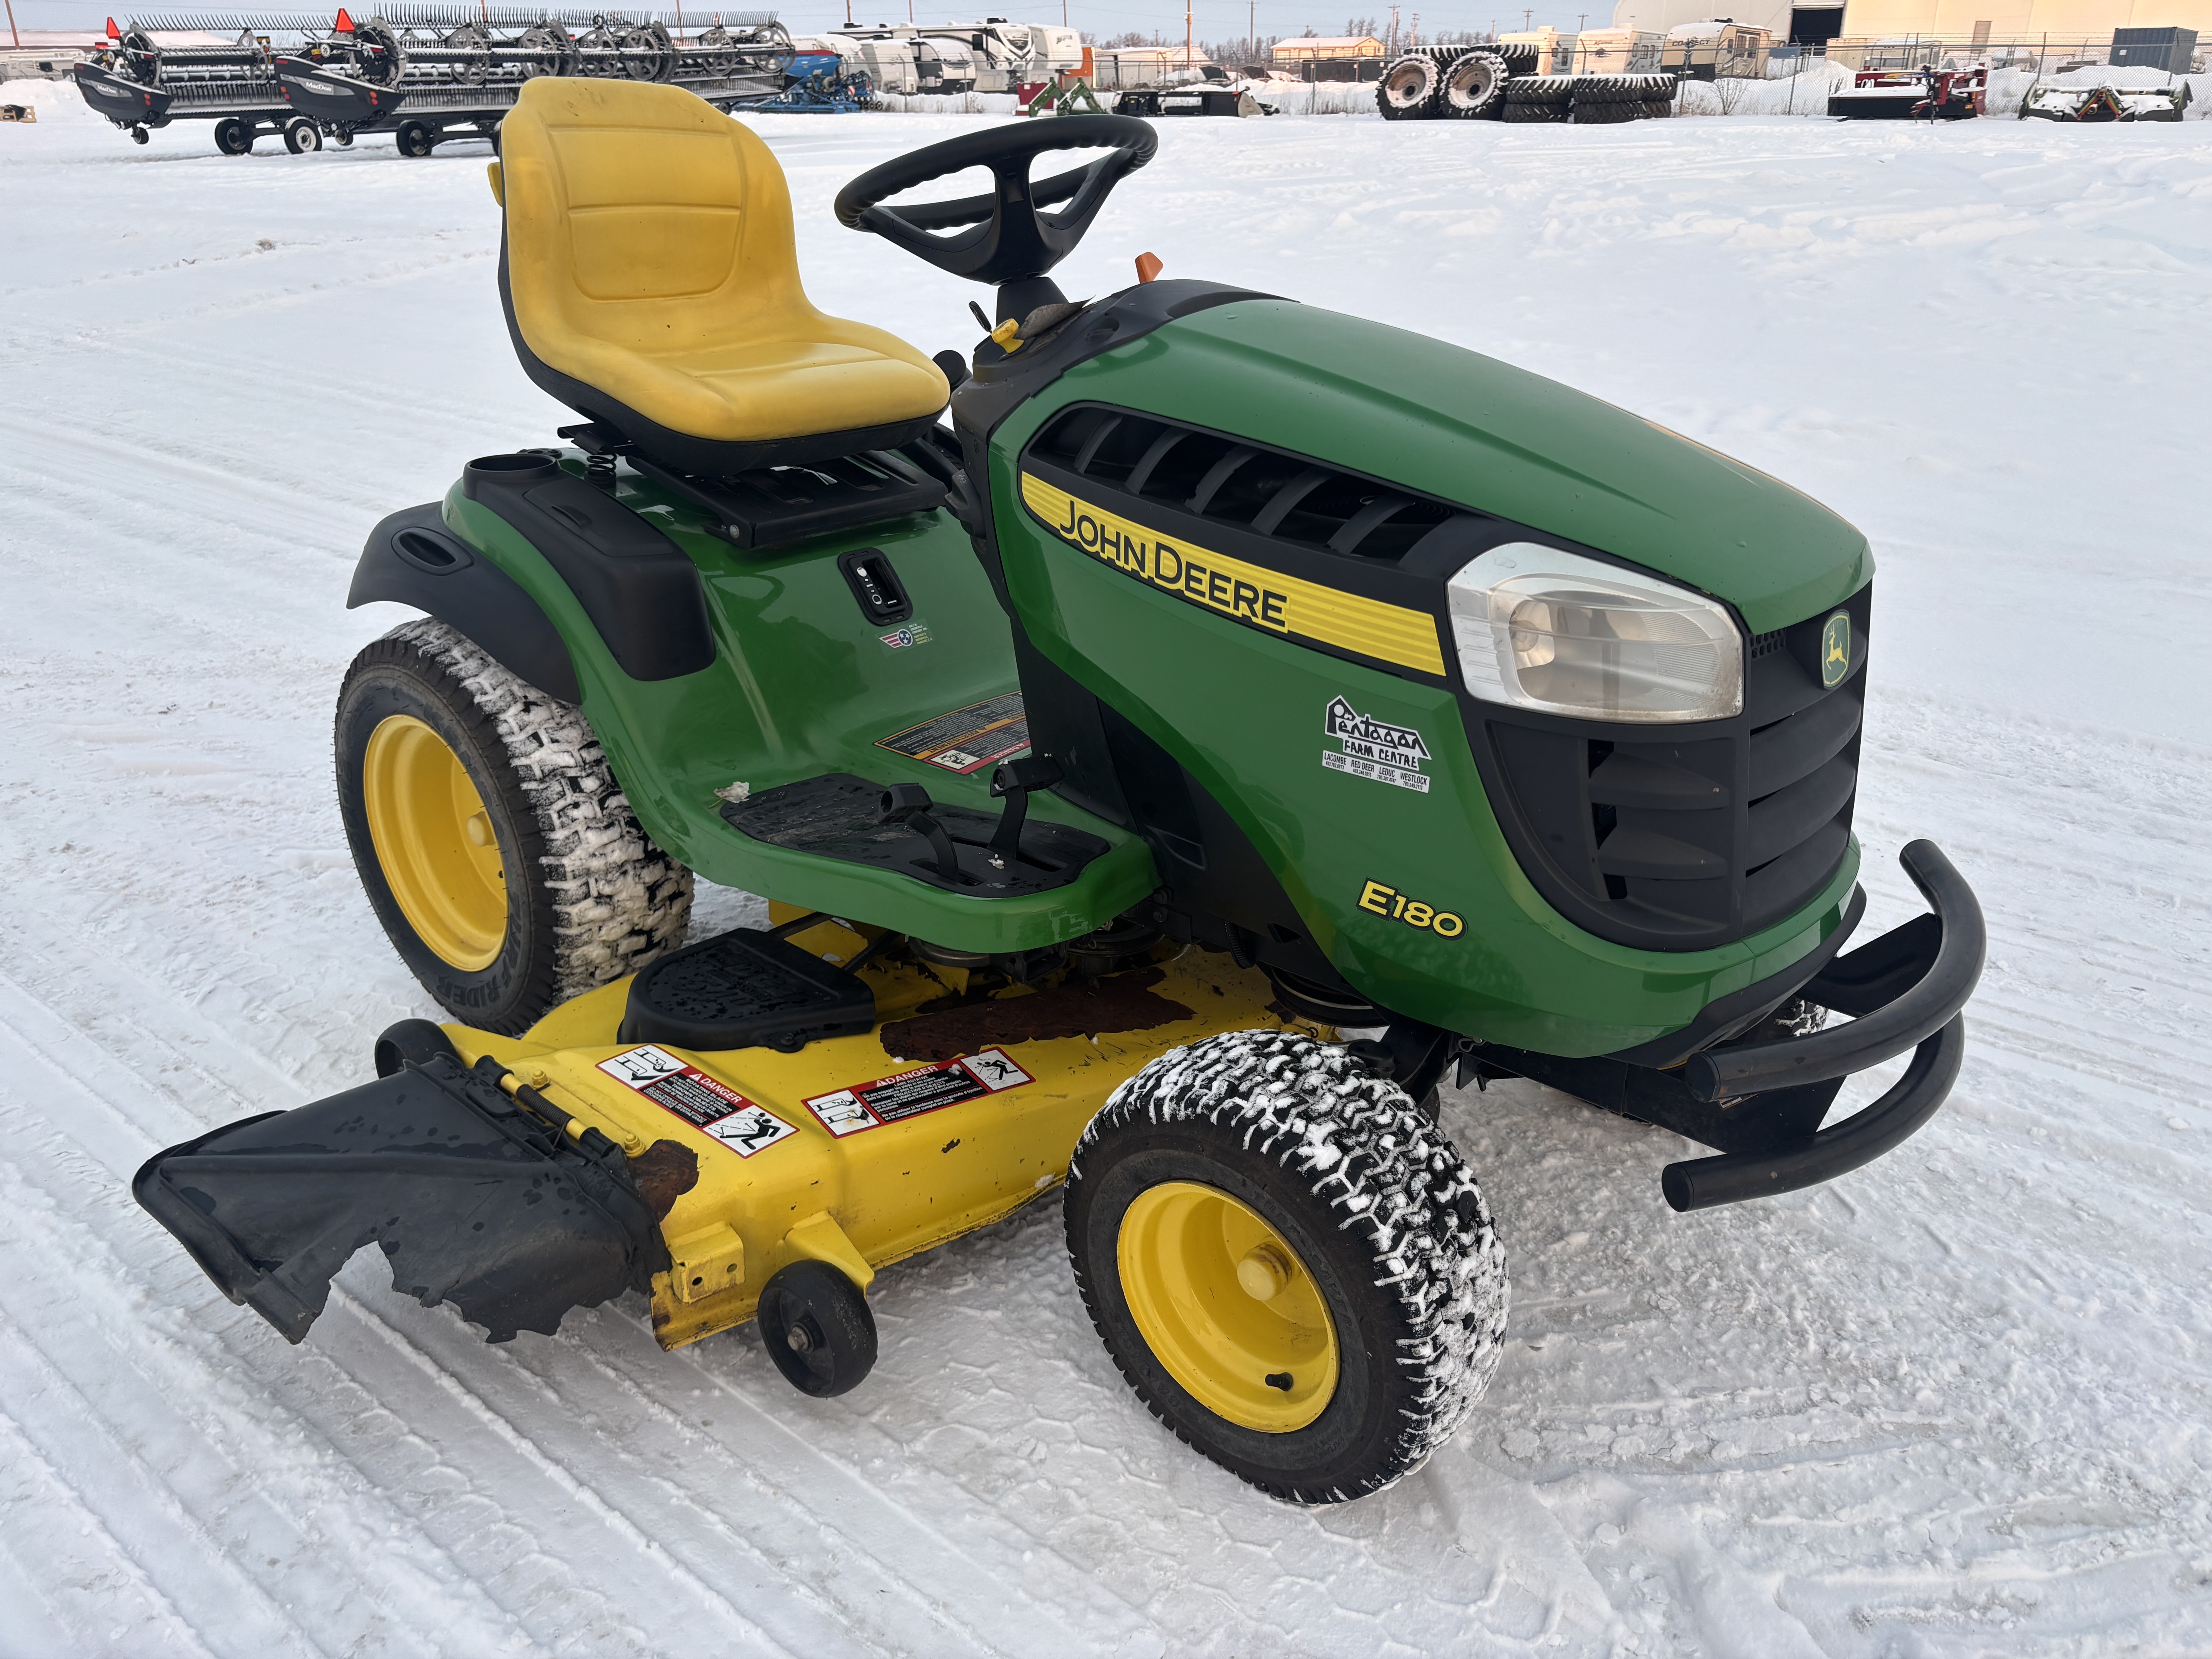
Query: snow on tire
(1407, 90)
(1474, 86)
(1540, 90)
(588, 897)
(1367, 1196)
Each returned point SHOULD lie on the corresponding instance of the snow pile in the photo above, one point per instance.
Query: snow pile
(1954, 1404)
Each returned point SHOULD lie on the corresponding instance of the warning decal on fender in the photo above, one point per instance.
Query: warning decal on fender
(705, 1103)
(908, 1094)
(967, 739)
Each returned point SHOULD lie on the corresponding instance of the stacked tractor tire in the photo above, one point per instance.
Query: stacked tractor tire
(1497, 82)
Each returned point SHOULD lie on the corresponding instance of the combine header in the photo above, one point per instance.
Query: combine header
(424, 73)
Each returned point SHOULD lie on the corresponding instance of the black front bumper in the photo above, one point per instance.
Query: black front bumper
(1760, 1104)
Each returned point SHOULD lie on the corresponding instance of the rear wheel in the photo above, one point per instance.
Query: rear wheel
(1407, 88)
(1291, 1267)
(1474, 86)
(490, 836)
(414, 138)
(232, 137)
(302, 137)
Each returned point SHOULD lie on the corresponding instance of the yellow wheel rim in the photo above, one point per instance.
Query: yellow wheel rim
(1226, 1305)
(435, 842)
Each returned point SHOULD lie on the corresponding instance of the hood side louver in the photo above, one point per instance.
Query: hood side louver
(1229, 481)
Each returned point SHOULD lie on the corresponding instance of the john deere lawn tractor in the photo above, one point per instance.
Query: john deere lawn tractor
(1236, 721)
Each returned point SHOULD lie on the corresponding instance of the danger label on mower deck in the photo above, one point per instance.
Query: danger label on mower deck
(908, 1094)
(705, 1103)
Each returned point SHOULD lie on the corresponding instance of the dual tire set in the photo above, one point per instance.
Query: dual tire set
(1484, 85)
(1288, 1261)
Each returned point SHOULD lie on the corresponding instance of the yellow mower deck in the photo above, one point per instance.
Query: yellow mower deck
(874, 1193)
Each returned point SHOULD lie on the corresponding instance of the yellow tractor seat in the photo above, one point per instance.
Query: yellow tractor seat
(650, 284)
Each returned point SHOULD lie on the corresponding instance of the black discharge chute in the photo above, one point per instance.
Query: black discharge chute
(474, 1198)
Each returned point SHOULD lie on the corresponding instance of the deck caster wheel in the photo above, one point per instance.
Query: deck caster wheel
(302, 137)
(1290, 1265)
(233, 137)
(412, 1042)
(490, 836)
(817, 1327)
(414, 138)
(140, 136)
(343, 137)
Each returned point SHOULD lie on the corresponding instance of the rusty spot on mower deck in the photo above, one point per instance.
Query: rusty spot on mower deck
(1120, 1002)
(664, 1172)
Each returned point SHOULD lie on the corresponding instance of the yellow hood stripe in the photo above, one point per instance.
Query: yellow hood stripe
(1248, 594)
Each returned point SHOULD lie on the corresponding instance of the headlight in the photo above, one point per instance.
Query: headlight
(1540, 628)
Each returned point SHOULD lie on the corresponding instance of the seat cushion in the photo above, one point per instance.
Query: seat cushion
(650, 257)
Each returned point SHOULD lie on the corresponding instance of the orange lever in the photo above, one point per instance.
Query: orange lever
(1149, 265)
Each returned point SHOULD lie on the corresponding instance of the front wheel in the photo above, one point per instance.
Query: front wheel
(490, 834)
(232, 137)
(1292, 1268)
(414, 139)
(302, 137)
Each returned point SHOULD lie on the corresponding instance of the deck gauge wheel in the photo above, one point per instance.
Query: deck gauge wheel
(302, 137)
(817, 1327)
(139, 135)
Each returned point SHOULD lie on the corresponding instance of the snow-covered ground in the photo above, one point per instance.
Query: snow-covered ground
(1954, 1404)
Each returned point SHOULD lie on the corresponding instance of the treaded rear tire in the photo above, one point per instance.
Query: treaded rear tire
(590, 898)
(1407, 89)
(1474, 87)
(1378, 1204)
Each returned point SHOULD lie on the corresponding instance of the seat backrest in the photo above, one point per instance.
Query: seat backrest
(641, 218)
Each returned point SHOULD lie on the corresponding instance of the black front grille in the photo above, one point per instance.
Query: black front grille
(1682, 838)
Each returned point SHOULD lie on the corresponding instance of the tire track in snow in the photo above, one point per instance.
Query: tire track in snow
(78, 1590)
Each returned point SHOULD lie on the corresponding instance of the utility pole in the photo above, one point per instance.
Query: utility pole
(1414, 45)
(12, 29)
(1186, 32)
(1529, 20)
(1394, 31)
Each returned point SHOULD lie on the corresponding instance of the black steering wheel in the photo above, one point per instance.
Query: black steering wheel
(1014, 239)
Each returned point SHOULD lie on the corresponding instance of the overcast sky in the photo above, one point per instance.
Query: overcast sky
(1214, 20)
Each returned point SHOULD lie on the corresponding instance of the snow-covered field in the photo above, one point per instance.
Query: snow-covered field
(1954, 1404)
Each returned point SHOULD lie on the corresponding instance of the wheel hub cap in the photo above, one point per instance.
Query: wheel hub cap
(435, 842)
(1227, 1307)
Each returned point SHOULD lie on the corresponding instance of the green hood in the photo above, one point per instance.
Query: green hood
(1454, 423)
